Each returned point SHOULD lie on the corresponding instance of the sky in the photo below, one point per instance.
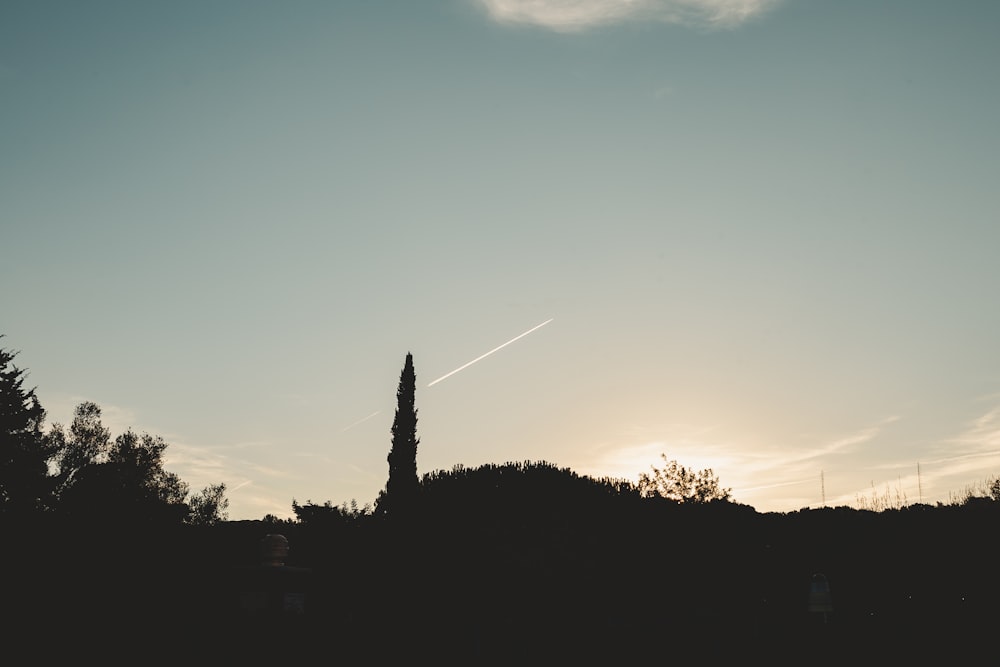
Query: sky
(760, 236)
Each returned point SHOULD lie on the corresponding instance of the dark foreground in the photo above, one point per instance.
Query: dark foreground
(204, 596)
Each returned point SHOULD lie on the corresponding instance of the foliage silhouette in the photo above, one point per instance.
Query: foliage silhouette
(677, 482)
(87, 444)
(122, 479)
(128, 484)
(24, 454)
(209, 506)
(330, 515)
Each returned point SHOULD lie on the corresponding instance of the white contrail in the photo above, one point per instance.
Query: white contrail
(359, 421)
(498, 347)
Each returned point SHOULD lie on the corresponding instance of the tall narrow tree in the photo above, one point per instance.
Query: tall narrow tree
(24, 483)
(401, 488)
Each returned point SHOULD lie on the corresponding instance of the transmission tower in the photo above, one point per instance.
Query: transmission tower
(920, 485)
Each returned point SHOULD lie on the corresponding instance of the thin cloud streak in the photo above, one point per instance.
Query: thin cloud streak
(973, 452)
(360, 421)
(845, 443)
(984, 432)
(496, 349)
(240, 486)
(749, 475)
(581, 15)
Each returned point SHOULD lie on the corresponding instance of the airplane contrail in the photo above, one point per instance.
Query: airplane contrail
(359, 421)
(498, 347)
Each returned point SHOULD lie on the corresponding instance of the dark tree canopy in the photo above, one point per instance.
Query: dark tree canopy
(128, 483)
(403, 484)
(81, 472)
(95, 476)
(329, 515)
(86, 444)
(24, 482)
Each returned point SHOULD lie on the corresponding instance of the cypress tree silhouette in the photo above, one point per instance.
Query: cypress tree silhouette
(401, 488)
(24, 454)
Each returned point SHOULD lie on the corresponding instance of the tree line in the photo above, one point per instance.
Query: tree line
(516, 562)
(81, 472)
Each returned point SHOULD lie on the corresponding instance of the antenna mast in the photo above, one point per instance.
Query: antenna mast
(920, 485)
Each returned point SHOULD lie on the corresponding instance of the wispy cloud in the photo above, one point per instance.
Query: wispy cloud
(944, 469)
(845, 443)
(261, 504)
(984, 433)
(775, 477)
(580, 15)
(248, 483)
(967, 458)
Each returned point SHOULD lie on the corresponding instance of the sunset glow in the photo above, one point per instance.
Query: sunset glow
(753, 236)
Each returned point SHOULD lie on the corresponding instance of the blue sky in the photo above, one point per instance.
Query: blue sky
(765, 232)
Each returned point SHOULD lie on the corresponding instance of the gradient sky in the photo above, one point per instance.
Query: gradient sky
(767, 235)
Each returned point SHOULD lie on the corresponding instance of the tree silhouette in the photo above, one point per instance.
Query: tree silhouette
(24, 483)
(677, 482)
(86, 444)
(209, 506)
(401, 489)
(121, 479)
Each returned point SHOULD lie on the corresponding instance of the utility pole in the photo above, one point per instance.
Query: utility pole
(920, 485)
